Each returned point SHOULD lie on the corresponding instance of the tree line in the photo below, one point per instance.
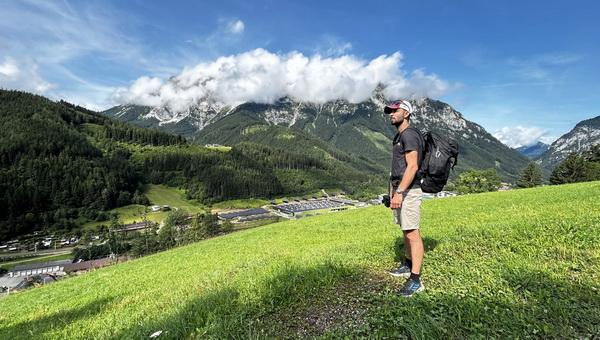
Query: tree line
(577, 167)
(179, 229)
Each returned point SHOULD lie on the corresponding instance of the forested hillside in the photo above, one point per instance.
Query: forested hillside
(52, 168)
(62, 165)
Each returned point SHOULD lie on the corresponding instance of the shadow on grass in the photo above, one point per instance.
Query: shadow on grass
(530, 304)
(428, 243)
(527, 304)
(524, 303)
(37, 328)
(230, 313)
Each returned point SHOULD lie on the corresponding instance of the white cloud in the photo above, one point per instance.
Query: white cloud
(517, 136)
(541, 67)
(262, 76)
(236, 27)
(22, 75)
(9, 69)
(339, 49)
(332, 46)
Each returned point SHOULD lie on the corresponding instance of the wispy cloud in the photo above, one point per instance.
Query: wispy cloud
(236, 26)
(521, 83)
(48, 37)
(476, 57)
(541, 67)
(228, 33)
(56, 32)
(332, 46)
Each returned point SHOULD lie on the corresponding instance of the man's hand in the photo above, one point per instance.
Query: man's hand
(396, 201)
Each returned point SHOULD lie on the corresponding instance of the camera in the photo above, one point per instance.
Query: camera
(386, 200)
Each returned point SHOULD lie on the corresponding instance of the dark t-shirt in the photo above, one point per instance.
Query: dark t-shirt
(409, 140)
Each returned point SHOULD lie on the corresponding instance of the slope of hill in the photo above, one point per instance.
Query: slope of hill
(498, 265)
(360, 129)
(581, 138)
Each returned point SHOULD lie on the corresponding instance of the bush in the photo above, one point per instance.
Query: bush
(139, 198)
(475, 181)
(102, 216)
(91, 253)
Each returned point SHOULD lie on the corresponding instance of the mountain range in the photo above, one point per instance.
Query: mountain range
(533, 151)
(581, 138)
(360, 129)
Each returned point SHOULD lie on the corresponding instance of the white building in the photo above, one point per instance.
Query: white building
(51, 267)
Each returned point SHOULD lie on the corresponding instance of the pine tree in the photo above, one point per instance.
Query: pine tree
(531, 176)
(573, 169)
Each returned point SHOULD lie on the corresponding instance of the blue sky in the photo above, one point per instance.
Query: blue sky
(524, 70)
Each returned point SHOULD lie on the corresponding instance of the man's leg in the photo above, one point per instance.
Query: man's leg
(407, 254)
(405, 265)
(412, 238)
(410, 221)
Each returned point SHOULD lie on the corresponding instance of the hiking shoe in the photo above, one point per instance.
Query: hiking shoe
(411, 287)
(402, 271)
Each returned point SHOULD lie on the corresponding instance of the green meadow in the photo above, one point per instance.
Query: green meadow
(517, 264)
(157, 195)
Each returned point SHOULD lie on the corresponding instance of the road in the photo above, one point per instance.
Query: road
(44, 252)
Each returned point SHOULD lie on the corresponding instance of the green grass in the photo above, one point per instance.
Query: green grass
(319, 211)
(130, 214)
(173, 197)
(158, 195)
(241, 204)
(377, 138)
(512, 264)
(220, 148)
(255, 129)
(12, 264)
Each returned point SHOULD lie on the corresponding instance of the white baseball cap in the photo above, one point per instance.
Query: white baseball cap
(398, 104)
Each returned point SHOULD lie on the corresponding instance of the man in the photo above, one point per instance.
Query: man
(406, 193)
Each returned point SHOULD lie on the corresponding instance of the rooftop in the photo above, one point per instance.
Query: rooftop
(41, 265)
(250, 212)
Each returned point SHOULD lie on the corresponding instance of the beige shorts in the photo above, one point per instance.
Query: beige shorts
(408, 216)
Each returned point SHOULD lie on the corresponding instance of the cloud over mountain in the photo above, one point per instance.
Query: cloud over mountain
(262, 76)
(517, 136)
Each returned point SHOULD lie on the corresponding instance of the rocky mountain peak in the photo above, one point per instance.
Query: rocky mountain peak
(581, 138)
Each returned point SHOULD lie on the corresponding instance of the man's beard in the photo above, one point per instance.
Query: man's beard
(397, 124)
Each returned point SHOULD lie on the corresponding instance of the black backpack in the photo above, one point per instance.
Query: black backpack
(439, 157)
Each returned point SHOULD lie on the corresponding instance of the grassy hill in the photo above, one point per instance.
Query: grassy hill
(503, 265)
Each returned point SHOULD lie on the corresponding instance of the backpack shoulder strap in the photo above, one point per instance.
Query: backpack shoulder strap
(396, 139)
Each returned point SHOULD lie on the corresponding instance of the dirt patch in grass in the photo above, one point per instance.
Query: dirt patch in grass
(343, 307)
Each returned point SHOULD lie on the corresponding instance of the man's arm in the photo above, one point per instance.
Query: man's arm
(412, 158)
(407, 178)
